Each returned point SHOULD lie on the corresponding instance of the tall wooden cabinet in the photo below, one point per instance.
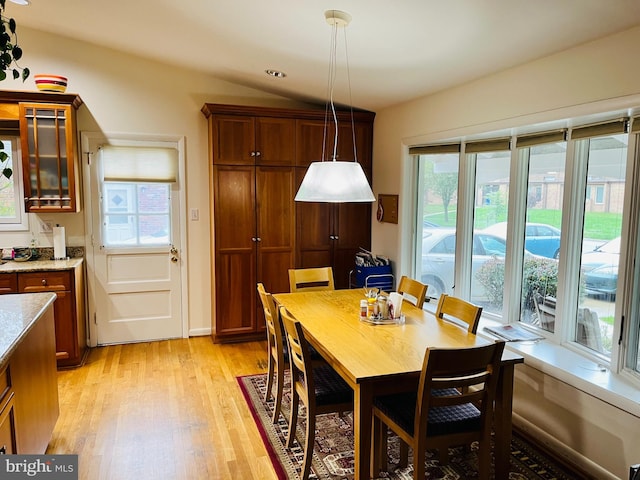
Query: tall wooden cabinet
(258, 159)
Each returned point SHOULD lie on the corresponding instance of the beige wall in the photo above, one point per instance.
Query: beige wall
(126, 94)
(589, 79)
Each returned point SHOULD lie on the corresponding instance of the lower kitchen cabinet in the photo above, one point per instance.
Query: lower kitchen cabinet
(70, 324)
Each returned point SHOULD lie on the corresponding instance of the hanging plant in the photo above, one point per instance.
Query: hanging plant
(10, 52)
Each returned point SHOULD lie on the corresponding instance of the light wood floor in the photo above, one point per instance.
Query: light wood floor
(162, 410)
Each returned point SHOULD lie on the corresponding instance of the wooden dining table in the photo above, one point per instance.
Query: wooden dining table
(382, 359)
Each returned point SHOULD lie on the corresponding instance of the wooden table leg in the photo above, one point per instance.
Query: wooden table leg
(362, 429)
(502, 421)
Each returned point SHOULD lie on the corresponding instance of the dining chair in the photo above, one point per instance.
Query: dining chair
(308, 279)
(413, 288)
(278, 357)
(459, 311)
(452, 406)
(320, 389)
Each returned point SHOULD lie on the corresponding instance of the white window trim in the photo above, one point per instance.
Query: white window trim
(20, 222)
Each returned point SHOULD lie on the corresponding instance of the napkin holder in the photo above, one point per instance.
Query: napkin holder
(395, 304)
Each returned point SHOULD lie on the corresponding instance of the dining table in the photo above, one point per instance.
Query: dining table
(378, 359)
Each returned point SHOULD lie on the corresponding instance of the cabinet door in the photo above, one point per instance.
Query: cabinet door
(235, 250)
(314, 231)
(233, 140)
(47, 135)
(363, 139)
(8, 283)
(276, 226)
(66, 327)
(7, 426)
(352, 231)
(310, 135)
(275, 141)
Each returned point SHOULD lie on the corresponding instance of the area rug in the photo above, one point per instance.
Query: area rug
(333, 451)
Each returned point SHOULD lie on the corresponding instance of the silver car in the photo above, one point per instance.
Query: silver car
(438, 259)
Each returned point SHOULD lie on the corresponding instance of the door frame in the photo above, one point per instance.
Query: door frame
(87, 141)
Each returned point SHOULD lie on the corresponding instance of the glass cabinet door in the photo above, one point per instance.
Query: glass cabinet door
(47, 137)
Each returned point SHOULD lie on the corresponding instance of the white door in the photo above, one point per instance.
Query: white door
(135, 244)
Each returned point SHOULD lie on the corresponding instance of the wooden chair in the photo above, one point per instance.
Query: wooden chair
(308, 279)
(457, 310)
(321, 389)
(276, 348)
(438, 415)
(413, 288)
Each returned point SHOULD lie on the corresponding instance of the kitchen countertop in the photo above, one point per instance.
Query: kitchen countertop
(18, 314)
(40, 265)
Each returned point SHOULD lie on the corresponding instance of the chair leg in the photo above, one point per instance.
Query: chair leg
(418, 463)
(279, 389)
(308, 448)
(484, 459)
(404, 454)
(293, 417)
(379, 450)
(267, 394)
(443, 456)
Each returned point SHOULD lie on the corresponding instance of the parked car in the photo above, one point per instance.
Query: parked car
(438, 259)
(600, 269)
(540, 239)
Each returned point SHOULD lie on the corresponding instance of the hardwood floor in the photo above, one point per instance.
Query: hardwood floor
(162, 410)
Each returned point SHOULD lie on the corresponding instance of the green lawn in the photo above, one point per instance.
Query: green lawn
(600, 226)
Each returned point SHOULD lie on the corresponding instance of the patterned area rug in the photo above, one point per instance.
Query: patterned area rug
(333, 452)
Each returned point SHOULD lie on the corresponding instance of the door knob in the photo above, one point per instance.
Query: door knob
(174, 259)
(173, 250)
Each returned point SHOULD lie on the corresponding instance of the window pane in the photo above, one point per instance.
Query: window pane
(437, 220)
(601, 242)
(545, 194)
(11, 196)
(490, 216)
(136, 214)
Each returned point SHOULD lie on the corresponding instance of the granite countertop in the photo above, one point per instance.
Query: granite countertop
(18, 314)
(40, 265)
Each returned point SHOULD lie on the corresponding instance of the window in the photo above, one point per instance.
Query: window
(12, 215)
(549, 249)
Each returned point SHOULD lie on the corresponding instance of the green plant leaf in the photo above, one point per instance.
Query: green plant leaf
(16, 74)
(7, 172)
(25, 73)
(3, 75)
(12, 25)
(16, 52)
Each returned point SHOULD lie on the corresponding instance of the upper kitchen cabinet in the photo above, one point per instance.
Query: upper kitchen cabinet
(48, 137)
(250, 139)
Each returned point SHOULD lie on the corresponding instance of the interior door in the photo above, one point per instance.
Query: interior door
(136, 258)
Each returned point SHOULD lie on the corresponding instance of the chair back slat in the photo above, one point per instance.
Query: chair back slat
(413, 288)
(459, 311)
(309, 279)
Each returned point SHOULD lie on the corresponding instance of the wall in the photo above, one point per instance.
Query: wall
(592, 78)
(127, 94)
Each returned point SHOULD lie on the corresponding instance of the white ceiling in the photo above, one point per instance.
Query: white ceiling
(398, 50)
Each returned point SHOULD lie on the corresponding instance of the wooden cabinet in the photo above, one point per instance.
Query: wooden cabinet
(70, 328)
(34, 379)
(48, 138)
(46, 125)
(258, 158)
(69, 320)
(7, 415)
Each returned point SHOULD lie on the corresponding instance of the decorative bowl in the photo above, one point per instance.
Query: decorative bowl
(51, 83)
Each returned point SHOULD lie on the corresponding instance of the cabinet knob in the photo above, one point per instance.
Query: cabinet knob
(44, 281)
(253, 154)
(258, 154)
(174, 259)
(258, 239)
(3, 450)
(254, 239)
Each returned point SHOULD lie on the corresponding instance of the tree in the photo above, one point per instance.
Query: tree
(444, 184)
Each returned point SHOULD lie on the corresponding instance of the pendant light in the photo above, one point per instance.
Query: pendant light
(332, 180)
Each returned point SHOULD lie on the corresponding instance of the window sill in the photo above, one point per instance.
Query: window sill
(576, 370)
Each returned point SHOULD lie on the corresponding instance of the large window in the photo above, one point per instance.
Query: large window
(539, 234)
(12, 216)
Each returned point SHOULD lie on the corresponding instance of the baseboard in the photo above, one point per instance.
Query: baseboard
(560, 451)
(199, 332)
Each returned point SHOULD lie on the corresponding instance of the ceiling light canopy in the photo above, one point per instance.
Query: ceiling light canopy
(330, 180)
